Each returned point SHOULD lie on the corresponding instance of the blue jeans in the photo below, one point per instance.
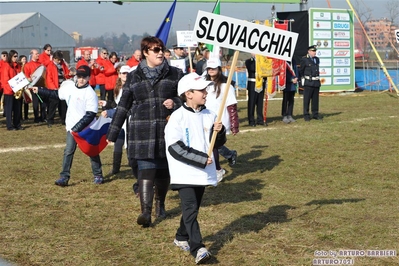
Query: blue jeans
(68, 158)
(225, 152)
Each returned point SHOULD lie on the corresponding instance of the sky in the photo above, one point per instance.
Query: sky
(92, 19)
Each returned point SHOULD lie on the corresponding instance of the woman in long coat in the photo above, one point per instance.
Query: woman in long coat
(149, 97)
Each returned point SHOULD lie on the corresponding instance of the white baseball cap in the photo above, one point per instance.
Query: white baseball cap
(192, 81)
(124, 69)
(213, 63)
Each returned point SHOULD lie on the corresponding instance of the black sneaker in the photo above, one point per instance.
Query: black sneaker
(233, 159)
(62, 181)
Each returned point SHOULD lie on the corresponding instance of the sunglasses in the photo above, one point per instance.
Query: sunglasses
(105, 53)
(15, 56)
(157, 49)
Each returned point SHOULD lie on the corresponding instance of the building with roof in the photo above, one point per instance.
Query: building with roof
(25, 31)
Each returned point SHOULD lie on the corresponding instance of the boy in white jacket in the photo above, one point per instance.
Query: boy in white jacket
(187, 136)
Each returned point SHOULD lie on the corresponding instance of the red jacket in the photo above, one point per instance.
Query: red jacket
(1, 64)
(111, 75)
(44, 59)
(7, 73)
(132, 62)
(52, 75)
(100, 77)
(92, 81)
(30, 67)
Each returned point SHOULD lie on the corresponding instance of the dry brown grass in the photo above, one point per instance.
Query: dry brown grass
(296, 189)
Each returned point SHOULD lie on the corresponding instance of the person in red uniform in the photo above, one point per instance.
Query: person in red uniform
(135, 59)
(111, 75)
(99, 71)
(4, 57)
(39, 108)
(12, 106)
(87, 61)
(56, 73)
(45, 57)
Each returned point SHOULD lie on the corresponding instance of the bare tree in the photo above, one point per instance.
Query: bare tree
(364, 14)
(392, 7)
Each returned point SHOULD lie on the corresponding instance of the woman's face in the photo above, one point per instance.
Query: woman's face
(212, 72)
(154, 56)
(14, 58)
(113, 59)
(23, 60)
(123, 77)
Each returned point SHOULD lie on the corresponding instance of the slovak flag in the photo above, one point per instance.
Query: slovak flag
(92, 140)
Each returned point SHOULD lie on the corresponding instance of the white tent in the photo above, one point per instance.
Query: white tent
(25, 31)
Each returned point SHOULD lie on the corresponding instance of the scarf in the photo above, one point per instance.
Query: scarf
(151, 73)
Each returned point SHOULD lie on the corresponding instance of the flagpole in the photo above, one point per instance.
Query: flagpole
(223, 103)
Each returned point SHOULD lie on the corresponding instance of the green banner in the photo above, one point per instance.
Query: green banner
(332, 30)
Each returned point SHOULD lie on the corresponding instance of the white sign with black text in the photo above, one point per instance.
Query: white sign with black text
(397, 35)
(244, 36)
(185, 39)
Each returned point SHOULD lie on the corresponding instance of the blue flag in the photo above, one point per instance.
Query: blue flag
(163, 31)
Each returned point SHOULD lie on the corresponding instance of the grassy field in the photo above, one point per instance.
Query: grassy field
(299, 192)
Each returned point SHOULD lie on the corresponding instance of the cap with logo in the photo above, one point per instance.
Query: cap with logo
(83, 71)
(192, 81)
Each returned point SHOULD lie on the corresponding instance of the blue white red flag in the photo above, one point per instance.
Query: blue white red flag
(163, 31)
(92, 140)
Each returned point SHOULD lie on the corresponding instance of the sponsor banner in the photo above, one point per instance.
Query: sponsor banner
(185, 39)
(323, 53)
(342, 62)
(341, 34)
(325, 62)
(341, 16)
(325, 81)
(321, 16)
(342, 80)
(323, 44)
(318, 34)
(341, 25)
(322, 25)
(342, 44)
(325, 71)
(244, 36)
(342, 53)
(342, 71)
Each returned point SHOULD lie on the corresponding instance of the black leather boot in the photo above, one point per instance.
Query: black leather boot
(116, 165)
(161, 189)
(146, 191)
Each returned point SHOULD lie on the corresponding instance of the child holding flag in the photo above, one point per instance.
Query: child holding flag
(82, 109)
(187, 137)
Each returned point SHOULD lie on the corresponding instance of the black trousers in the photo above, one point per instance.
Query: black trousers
(62, 110)
(12, 108)
(109, 94)
(311, 94)
(52, 108)
(102, 91)
(255, 102)
(288, 102)
(189, 230)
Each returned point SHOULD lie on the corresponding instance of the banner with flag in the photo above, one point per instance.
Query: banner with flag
(92, 140)
(216, 10)
(163, 31)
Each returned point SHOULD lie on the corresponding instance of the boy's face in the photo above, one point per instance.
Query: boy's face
(197, 97)
(82, 80)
